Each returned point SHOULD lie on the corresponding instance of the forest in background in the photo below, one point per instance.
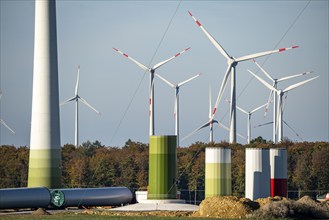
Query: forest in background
(95, 165)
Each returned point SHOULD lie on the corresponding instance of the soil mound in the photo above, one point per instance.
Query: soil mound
(264, 201)
(40, 211)
(304, 208)
(226, 207)
(315, 208)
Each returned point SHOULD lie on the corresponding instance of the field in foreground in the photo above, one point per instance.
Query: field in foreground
(223, 207)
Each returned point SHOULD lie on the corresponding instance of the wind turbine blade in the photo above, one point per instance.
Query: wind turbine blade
(211, 38)
(256, 109)
(266, 73)
(132, 59)
(69, 100)
(261, 125)
(0, 94)
(268, 102)
(241, 109)
(196, 130)
(223, 126)
(164, 80)
(226, 128)
(263, 81)
(261, 54)
(77, 84)
(285, 100)
(241, 136)
(7, 126)
(87, 104)
(293, 76)
(298, 84)
(186, 81)
(156, 66)
(293, 130)
(221, 90)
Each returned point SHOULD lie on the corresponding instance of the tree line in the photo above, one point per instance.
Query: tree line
(95, 165)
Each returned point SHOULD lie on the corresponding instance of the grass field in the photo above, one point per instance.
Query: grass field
(94, 217)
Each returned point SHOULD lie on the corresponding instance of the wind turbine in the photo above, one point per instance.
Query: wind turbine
(210, 123)
(77, 98)
(232, 62)
(3, 122)
(152, 72)
(275, 83)
(248, 113)
(176, 108)
(280, 94)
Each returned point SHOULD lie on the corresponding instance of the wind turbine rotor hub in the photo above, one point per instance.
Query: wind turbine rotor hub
(232, 62)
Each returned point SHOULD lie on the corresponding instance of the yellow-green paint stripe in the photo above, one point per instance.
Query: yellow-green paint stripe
(218, 179)
(162, 167)
(45, 168)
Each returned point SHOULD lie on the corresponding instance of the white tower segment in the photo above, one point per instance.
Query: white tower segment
(45, 146)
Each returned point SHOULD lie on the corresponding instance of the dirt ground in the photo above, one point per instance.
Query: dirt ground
(235, 207)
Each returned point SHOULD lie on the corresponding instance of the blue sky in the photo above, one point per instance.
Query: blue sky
(87, 31)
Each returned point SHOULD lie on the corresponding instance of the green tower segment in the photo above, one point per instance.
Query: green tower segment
(218, 181)
(45, 168)
(162, 167)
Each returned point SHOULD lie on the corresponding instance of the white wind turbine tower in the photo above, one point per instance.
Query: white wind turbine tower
(3, 122)
(151, 85)
(280, 94)
(275, 82)
(249, 118)
(176, 106)
(232, 63)
(77, 98)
